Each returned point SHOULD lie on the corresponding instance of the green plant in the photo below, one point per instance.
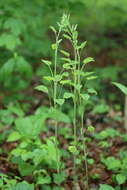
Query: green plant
(106, 187)
(6, 183)
(71, 78)
(124, 90)
(31, 155)
(7, 117)
(104, 134)
(101, 108)
(118, 167)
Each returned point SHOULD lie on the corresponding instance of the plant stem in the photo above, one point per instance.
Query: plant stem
(54, 97)
(84, 150)
(82, 123)
(75, 113)
(82, 130)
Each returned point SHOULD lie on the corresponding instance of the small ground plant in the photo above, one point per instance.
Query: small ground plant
(124, 90)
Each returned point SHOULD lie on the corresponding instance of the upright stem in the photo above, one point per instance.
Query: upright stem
(84, 150)
(78, 67)
(82, 126)
(75, 101)
(75, 113)
(55, 96)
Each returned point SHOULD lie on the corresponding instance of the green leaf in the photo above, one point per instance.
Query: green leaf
(101, 108)
(59, 101)
(65, 82)
(66, 66)
(75, 35)
(18, 65)
(65, 74)
(30, 126)
(73, 149)
(58, 78)
(16, 152)
(52, 153)
(39, 155)
(83, 44)
(106, 187)
(112, 163)
(92, 91)
(42, 88)
(85, 97)
(90, 161)
(16, 109)
(68, 95)
(22, 66)
(65, 53)
(15, 25)
(67, 36)
(14, 136)
(59, 41)
(7, 69)
(10, 41)
(23, 186)
(92, 77)
(25, 155)
(46, 62)
(25, 169)
(54, 46)
(87, 60)
(66, 59)
(121, 87)
(86, 74)
(59, 178)
(43, 179)
(121, 178)
(90, 129)
(48, 78)
(53, 29)
(58, 115)
(78, 87)
(41, 110)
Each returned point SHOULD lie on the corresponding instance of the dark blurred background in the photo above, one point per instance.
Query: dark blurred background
(25, 38)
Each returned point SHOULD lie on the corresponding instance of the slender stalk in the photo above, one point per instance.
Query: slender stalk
(82, 127)
(54, 98)
(78, 67)
(84, 150)
(75, 114)
(75, 132)
(75, 102)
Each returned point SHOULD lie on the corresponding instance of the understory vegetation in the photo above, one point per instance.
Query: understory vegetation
(63, 95)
